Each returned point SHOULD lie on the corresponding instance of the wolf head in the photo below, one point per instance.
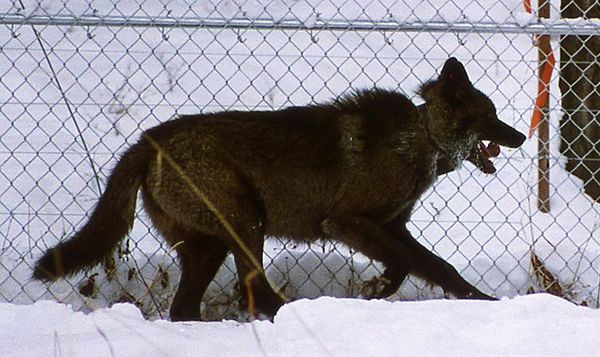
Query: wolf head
(459, 117)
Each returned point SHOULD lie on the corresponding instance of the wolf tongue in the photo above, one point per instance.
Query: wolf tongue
(493, 149)
(489, 151)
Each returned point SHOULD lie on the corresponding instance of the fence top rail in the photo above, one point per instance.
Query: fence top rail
(581, 27)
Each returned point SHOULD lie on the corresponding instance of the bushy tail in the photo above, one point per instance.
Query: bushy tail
(110, 222)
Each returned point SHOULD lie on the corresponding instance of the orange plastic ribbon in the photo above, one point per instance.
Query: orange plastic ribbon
(541, 101)
(527, 6)
(543, 95)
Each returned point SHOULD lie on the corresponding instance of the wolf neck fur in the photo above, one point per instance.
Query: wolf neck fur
(424, 114)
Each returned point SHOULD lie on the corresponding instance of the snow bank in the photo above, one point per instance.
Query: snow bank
(533, 325)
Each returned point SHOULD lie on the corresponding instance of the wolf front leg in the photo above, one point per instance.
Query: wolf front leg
(432, 268)
(365, 236)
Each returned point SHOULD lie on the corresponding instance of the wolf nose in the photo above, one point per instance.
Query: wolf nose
(519, 140)
(503, 134)
(514, 140)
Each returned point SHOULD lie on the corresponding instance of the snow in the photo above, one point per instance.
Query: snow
(534, 325)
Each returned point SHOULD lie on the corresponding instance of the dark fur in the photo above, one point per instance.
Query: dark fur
(349, 171)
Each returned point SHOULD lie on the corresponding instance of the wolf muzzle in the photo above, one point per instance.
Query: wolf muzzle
(502, 134)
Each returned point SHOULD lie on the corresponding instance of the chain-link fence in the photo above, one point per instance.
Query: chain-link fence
(80, 80)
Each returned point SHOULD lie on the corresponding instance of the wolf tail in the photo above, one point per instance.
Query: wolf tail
(110, 222)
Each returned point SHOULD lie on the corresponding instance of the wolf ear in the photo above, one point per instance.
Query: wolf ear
(454, 80)
(454, 72)
(453, 84)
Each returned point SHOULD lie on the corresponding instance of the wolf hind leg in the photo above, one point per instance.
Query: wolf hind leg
(200, 258)
(242, 228)
(257, 293)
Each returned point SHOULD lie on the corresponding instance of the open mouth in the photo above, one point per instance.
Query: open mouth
(498, 133)
(481, 154)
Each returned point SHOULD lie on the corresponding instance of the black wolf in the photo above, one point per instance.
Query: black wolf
(349, 171)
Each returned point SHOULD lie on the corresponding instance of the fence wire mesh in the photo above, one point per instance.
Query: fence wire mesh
(80, 80)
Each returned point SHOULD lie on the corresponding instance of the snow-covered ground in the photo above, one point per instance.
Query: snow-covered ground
(120, 81)
(534, 325)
